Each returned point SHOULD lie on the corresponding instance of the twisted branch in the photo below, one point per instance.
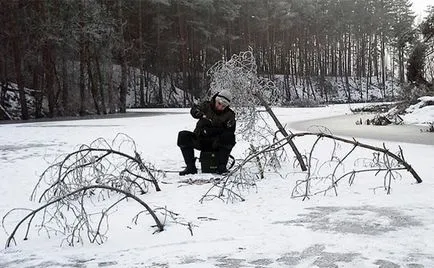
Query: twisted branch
(242, 178)
(79, 226)
(95, 172)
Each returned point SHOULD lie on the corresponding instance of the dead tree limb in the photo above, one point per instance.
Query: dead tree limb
(93, 173)
(244, 175)
(283, 131)
(97, 163)
(82, 191)
(356, 143)
(240, 75)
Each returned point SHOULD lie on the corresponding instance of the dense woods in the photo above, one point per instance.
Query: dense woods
(88, 56)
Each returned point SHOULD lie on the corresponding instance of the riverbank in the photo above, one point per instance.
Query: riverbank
(345, 125)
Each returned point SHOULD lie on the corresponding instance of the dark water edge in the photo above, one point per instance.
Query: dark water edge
(141, 113)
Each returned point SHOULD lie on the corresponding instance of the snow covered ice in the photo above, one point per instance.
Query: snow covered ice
(360, 227)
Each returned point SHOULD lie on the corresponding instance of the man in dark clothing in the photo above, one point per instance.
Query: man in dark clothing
(215, 131)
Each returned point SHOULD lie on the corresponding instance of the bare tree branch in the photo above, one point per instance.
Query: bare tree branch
(98, 163)
(78, 226)
(98, 172)
(242, 177)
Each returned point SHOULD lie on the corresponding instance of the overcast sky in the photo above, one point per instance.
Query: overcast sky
(419, 6)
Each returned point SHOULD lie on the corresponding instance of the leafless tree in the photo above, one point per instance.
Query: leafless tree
(69, 215)
(117, 164)
(80, 191)
(322, 175)
(382, 161)
(239, 75)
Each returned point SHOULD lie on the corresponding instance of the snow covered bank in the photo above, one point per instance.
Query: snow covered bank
(414, 129)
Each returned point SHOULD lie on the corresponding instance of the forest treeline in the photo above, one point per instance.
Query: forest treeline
(85, 56)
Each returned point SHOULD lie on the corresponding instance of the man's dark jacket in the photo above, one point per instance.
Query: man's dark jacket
(211, 122)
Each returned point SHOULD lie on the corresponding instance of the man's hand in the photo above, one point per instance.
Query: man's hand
(203, 124)
(196, 112)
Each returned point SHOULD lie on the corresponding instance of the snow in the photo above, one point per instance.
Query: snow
(360, 227)
(421, 112)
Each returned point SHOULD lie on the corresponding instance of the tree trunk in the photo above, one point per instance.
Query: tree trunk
(383, 65)
(124, 68)
(82, 51)
(283, 131)
(141, 60)
(100, 85)
(49, 77)
(65, 86)
(110, 88)
(92, 84)
(20, 80)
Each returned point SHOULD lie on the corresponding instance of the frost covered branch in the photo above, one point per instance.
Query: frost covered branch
(322, 175)
(116, 164)
(382, 161)
(239, 75)
(80, 190)
(55, 216)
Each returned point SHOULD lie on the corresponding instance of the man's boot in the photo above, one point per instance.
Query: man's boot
(188, 154)
(222, 161)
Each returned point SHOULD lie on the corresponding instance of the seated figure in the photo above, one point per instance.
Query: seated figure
(215, 131)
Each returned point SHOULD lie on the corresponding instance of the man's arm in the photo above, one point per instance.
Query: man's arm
(196, 111)
(229, 126)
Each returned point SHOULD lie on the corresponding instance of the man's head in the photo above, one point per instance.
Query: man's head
(223, 99)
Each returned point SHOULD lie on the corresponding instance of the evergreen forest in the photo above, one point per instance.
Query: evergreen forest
(102, 56)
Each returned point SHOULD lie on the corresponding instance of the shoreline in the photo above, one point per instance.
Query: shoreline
(345, 125)
(129, 113)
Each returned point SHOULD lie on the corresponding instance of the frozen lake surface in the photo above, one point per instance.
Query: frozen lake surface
(345, 125)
